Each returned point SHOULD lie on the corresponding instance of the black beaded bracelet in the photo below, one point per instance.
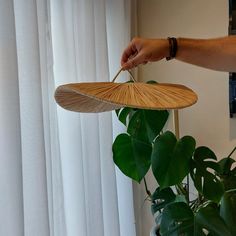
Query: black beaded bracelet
(173, 47)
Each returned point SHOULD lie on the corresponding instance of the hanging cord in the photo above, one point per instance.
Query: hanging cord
(132, 77)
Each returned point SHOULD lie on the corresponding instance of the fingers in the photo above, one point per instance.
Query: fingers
(129, 52)
(141, 51)
(133, 62)
(133, 55)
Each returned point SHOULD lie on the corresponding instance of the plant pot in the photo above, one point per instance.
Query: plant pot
(155, 231)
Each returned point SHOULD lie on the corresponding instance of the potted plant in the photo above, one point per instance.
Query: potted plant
(212, 210)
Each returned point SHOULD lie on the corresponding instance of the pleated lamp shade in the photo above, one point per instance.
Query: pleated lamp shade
(106, 96)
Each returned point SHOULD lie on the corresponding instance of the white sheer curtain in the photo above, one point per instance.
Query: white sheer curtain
(30, 161)
(83, 31)
(56, 172)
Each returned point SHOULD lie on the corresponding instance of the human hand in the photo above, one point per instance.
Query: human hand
(141, 51)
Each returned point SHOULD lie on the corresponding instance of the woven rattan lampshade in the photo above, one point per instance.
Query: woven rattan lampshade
(107, 96)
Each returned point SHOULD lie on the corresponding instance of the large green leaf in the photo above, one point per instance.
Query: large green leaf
(145, 125)
(209, 218)
(204, 180)
(165, 194)
(123, 114)
(227, 173)
(177, 219)
(160, 198)
(229, 182)
(152, 82)
(171, 158)
(213, 189)
(202, 153)
(132, 156)
(225, 165)
(117, 112)
(228, 210)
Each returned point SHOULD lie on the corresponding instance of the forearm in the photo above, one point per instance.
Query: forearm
(217, 54)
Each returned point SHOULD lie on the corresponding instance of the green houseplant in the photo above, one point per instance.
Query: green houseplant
(212, 211)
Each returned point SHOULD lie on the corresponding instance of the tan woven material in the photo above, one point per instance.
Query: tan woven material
(107, 96)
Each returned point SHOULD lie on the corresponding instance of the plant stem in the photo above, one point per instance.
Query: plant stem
(146, 188)
(180, 189)
(231, 152)
(187, 195)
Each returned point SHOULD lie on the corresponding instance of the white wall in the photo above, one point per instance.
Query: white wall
(208, 121)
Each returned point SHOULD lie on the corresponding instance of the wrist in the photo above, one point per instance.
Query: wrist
(173, 47)
(165, 47)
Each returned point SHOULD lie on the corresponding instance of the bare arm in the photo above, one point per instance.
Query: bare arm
(217, 54)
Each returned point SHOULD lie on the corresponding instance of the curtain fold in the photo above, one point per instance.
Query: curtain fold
(11, 197)
(55, 191)
(31, 117)
(57, 176)
(30, 160)
(81, 55)
(119, 25)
